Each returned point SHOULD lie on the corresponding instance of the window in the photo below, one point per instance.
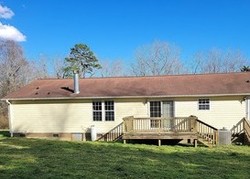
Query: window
(109, 111)
(155, 109)
(97, 111)
(103, 111)
(204, 104)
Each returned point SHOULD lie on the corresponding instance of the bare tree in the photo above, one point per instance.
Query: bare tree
(59, 65)
(35, 69)
(16, 71)
(12, 73)
(40, 67)
(112, 69)
(157, 58)
(218, 61)
(12, 66)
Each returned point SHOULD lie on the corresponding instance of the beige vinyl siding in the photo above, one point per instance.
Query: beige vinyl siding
(131, 107)
(69, 116)
(65, 117)
(224, 111)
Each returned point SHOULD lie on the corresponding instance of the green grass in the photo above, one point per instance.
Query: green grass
(37, 158)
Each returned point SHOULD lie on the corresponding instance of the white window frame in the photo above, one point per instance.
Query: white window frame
(160, 107)
(93, 110)
(204, 104)
(103, 110)
(108, 110)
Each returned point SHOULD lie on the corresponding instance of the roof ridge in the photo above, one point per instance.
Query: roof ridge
(53, 78)
(149, 76)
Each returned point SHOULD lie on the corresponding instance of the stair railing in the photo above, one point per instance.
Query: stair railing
(113, 135)
(247, 128)
(207, 132)
(242, 126)
(238, 128)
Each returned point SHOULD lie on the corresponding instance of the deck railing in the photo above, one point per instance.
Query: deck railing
(152, 124)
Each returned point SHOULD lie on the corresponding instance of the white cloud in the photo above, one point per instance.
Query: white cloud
(9, 32)
(5, 12)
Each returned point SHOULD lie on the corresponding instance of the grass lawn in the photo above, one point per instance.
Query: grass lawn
(37, 158)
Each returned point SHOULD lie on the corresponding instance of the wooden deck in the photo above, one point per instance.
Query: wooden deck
(160, 128)
(178, 128)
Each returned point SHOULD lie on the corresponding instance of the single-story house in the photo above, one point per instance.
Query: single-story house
(62, 107)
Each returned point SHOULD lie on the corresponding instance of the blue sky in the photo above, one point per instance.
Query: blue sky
(115, 28)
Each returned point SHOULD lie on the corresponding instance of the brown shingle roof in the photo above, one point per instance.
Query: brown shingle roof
(169, 85)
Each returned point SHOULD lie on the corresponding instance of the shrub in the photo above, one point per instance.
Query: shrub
(4, 123)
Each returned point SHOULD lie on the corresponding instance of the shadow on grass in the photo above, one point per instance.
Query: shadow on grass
(31, 158)
(4, 133)
(154, 142)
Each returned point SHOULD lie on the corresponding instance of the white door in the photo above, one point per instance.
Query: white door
(167, 109)
(161, 109)
(167, 112)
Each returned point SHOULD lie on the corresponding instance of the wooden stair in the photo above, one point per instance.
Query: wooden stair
(207, 134)
(114, 134)
(204, 142)
(241, 132)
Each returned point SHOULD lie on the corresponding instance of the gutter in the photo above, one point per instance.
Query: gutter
(129, 97)
(10, 117)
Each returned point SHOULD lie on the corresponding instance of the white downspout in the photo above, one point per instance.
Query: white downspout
(247, 108)
(10, 117)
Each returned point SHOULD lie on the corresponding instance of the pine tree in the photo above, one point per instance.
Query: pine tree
(80, 59)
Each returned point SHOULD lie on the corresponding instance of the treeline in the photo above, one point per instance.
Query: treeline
(161, 58)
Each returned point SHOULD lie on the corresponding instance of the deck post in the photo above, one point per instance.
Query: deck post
(193, 124)
(159, 142)
(195, 142)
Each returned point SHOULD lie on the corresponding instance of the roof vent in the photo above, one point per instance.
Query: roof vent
(76, 82)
